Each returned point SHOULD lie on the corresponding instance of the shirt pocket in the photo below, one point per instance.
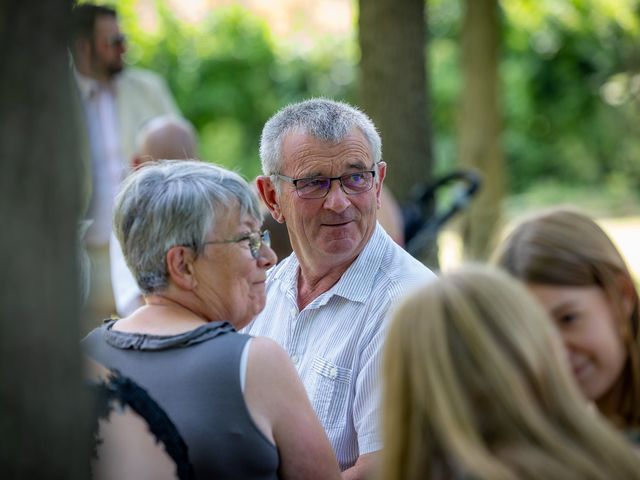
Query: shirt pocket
(331, 392)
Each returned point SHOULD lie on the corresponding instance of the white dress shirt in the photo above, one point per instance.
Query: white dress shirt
(336, 341)
(107, 163)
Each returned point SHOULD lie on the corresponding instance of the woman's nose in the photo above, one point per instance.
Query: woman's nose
(267, 256)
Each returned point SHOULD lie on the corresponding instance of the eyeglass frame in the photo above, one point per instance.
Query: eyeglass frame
(117, 40)
(256, 240)
(294, 182)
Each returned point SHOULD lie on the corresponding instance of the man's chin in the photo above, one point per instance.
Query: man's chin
(115, 70)
(338, 246)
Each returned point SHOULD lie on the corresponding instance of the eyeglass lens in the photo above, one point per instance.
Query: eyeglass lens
(352, 183)
(256, 240)
(117, 40)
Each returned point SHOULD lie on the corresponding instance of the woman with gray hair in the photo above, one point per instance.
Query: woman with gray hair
(190, 233)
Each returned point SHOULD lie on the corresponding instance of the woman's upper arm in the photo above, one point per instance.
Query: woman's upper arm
(278, 402)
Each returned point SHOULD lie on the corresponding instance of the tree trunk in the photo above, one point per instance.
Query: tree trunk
(393, 88)
(43, 423)
(480, 124)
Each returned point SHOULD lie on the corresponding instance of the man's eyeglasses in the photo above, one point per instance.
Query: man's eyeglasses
(256, 240)
(318, 187)
(117, 40)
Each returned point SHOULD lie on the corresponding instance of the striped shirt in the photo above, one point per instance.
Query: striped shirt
(336, 341)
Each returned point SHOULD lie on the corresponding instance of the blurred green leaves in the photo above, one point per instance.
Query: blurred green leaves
(570, 90)
(570, 83)
(228, 76)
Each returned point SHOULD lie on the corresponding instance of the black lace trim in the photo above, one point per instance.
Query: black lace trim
(130, 394)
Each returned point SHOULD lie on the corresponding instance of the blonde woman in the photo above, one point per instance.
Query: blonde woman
(476, 386)
(569, 263)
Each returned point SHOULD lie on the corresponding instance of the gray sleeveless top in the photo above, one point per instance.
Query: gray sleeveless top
(195, 378)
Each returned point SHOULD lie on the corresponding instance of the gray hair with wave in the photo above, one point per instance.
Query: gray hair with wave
(170, 203)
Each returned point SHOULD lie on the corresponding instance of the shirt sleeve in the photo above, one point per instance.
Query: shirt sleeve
(367, 401)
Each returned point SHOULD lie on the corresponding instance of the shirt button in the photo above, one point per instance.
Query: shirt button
(333, 373)
(293, 312)
(295, 359)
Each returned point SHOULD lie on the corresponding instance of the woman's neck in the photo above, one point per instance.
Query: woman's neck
(161, 316)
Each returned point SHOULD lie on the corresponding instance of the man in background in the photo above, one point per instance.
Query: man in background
(116, 101)
(162, 138)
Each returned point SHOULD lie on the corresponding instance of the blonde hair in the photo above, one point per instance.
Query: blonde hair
(476, 386)
(567, 248)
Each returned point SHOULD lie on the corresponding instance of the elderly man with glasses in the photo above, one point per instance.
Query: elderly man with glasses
(327, 302)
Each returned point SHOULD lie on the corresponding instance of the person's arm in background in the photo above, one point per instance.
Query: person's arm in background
(281, 409)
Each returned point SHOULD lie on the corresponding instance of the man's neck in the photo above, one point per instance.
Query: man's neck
(315, 277)
(313, 283)
(92, 74)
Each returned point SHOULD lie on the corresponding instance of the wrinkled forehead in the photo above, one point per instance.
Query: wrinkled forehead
(302, 151)
(334, 135)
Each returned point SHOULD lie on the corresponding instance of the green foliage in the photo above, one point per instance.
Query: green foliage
(619, 200)
(570, 83)
(570, 89)
(228, 75)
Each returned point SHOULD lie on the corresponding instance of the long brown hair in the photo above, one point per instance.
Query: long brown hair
(567, 248)
(476, 386)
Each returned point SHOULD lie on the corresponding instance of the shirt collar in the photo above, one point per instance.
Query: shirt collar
(356, 282)
(90, 86)
(286, 273)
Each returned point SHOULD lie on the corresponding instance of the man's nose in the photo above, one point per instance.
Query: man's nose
(336, 199)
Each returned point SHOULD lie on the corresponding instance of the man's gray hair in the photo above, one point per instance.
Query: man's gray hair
(324, 119)
(170, 203)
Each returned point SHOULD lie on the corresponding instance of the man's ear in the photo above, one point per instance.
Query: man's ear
(81, 45)
(81, 52)
(180, 267)
(269, 197)
(136, 162)
(382, 172)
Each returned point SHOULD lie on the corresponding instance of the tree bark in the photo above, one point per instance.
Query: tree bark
(394, 91)
(43, 424)
(480, 124)
(393, 87)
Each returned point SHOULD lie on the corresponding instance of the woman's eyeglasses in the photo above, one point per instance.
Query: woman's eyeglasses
(256, 240)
